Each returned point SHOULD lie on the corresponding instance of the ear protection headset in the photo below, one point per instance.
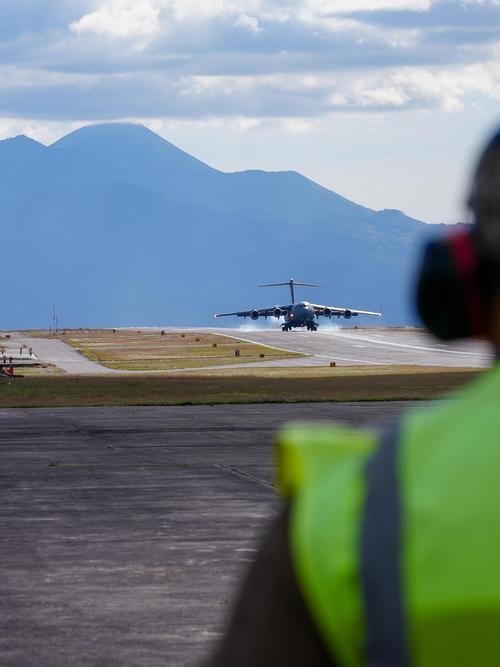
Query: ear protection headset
(452, 298)
(460, 273)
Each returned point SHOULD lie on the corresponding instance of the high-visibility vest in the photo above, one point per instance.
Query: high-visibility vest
(396, 543)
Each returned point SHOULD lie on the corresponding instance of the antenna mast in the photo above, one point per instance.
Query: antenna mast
(54, 320)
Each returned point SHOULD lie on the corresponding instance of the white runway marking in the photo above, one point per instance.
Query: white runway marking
(351, 361)
(372, 347)
(368, 347)
(441, 349)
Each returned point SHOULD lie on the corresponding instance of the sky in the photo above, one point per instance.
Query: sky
(387, 102)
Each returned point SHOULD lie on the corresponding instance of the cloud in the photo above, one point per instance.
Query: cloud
(417, 87)
(350, 6)
(251, 59)
(249, 22)
(300, 99)
(121, 18)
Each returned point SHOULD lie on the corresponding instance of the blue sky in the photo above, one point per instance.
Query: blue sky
(384, 101)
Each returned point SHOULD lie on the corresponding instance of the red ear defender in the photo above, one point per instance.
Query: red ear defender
(465, 258)
(451, 298)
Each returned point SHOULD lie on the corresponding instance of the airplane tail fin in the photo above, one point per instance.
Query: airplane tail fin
(288, 283)
(291, 284)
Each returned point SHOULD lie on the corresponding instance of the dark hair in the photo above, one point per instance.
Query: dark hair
(484, 202)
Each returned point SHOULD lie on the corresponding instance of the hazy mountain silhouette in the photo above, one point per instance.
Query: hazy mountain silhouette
(117, 226)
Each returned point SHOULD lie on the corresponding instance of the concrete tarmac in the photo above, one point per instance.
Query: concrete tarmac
(353, 347)
(58, 353)
(347, 347)
(125, 530)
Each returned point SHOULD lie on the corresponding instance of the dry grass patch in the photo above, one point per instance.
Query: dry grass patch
(149, 350)
(264, 386)
(38, 371)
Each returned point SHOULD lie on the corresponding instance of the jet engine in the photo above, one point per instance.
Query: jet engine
(347, 314)
(327, 312)
(254, 314)
(277, 312)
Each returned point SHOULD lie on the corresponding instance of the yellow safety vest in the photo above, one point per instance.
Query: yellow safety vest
(396, 543)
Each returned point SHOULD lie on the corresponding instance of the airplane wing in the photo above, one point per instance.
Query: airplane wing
(365, 312)
(258, 312)
(336, 311)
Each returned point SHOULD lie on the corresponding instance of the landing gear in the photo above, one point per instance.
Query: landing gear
(312, 327)
(285, 327)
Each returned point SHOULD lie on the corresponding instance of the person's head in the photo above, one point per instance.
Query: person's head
(458, 294)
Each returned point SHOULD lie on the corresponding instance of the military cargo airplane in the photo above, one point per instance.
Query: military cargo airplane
(301, 314)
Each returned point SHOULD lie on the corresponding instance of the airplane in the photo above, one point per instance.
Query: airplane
(301, 314)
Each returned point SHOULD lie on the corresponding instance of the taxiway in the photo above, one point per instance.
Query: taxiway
(123, 531)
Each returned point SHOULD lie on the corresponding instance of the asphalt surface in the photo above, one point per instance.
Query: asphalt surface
(53, 351)
(124, 531)
(348, 347)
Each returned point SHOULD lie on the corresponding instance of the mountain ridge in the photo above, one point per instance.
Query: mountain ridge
(120, 226)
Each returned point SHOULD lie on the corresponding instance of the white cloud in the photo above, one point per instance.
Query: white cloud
(249, 22)
(195, 10)
(46, 132)
(132, 18)
(255, 59)
(139, 18)
(387, 95)
(482, 3)
(446, 89)
(341, 6)
(121, 18)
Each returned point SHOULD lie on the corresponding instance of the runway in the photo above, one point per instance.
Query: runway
(348, 347)
(125, 530)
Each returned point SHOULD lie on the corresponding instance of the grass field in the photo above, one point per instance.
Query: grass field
(149, 350)
(39, 371)
(269, 385)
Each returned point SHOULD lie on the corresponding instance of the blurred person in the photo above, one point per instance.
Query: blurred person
(388, 551)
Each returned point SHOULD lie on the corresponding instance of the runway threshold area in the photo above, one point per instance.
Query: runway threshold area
(368, 347)
(124, 530)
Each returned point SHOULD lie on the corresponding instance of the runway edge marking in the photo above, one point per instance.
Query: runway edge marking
(271, 347)
(417, 347)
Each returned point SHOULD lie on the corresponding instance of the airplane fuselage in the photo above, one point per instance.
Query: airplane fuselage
(300, 315)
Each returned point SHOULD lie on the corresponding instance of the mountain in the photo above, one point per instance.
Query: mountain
(116, 226)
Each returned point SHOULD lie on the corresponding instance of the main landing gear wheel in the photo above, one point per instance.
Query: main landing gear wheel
(285, 327)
